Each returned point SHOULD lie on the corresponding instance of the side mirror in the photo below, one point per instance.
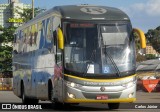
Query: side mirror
(60, 39)
(141, 36)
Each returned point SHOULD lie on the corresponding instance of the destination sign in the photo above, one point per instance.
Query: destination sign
(83, 25)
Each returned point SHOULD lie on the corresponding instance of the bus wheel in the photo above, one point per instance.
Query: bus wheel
(50, 93)
(33, 101)
(113, 106)
(74, 103)
(58, 105)
(26, 100)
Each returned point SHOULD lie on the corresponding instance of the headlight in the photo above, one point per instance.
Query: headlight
(128, 85)
(72, 84)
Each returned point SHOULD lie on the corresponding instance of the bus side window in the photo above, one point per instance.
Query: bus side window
(30, 39)
(58, 53)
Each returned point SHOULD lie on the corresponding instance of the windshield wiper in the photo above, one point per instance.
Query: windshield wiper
(113, 62)
(106, 53)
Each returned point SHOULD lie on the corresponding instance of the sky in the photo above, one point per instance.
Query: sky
(144, 14)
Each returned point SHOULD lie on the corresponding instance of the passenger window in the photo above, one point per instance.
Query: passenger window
(49, 30)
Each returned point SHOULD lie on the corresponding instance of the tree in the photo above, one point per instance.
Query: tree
(153, 37)
(6, 38)
(139, 57)
(26, 14)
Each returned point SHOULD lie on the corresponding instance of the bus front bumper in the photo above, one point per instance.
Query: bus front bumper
(121, 100)
(73, 95)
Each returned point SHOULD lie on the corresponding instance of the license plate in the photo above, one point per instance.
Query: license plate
(102, 97)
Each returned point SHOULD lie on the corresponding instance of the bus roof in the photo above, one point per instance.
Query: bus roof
(82, 12)
(90, 12)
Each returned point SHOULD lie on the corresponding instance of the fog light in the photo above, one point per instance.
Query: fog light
(72, 84)
(71, 95)
(130, 95)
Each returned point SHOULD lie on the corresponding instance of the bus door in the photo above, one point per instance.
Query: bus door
(58, 79)
(33, 77)
(28, 75)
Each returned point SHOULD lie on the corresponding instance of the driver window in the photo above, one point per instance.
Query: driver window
(76, 37)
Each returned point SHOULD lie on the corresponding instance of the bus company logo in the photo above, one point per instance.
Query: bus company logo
(6, 106)
(93, 10)
(102, 89)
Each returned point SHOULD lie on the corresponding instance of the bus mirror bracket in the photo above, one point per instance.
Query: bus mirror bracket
(60, 39)
(141, 36)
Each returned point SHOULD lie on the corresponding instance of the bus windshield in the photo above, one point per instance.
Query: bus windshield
(99, 49)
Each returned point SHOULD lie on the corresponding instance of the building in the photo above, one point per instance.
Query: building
(13, 1)
(5, 14)
(151, 50)
(9, 13)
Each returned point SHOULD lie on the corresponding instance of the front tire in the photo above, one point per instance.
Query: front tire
(113, 105)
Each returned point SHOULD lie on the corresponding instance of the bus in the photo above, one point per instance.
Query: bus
(76, 54)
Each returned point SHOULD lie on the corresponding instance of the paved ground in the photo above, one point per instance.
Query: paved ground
(142, 97)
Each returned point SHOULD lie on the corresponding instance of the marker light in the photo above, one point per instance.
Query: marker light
(130, 95)
(70, 95)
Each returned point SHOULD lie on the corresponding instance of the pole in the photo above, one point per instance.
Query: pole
(32, 8)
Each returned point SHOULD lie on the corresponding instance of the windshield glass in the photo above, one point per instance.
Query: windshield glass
(99, 49)
(117, 48)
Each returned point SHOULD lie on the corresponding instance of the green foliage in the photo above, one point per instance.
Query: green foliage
(140, 58)
(153, 38)
(137, 42)
(6, 37)
(150, 56)
(26, 15)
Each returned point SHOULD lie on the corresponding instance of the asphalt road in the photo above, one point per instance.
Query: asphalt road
(143, 99)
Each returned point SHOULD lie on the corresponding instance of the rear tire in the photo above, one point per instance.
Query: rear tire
(26, 100)
(50, 91)
(23, 96)
(113, 105)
